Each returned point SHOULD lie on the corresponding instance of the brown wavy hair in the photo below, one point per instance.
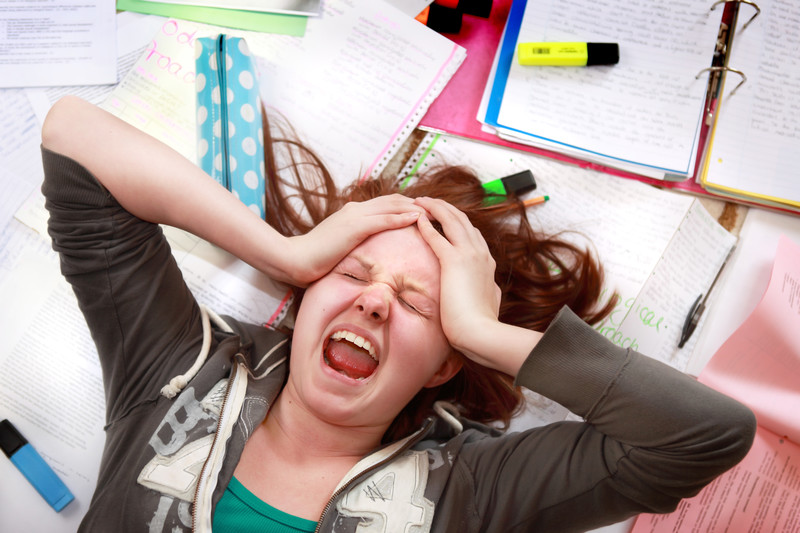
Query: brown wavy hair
(538, 274)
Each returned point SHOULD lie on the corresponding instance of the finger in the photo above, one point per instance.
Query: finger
(455, 223)
(391, 203)
(383, 222)
(443, 211)
(438, 243)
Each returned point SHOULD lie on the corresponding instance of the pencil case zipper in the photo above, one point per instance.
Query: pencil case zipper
(229, 125)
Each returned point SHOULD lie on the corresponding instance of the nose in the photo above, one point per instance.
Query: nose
(374, 301)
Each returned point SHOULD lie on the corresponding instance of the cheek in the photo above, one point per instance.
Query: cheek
(426, 339)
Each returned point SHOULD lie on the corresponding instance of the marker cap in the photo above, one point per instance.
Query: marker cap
(11, 440)
(440, 18)
(518, 183)
(602, 54)
(33, 467)
(568, 54)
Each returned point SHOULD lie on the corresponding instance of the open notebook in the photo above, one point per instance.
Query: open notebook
(642, 115)
(754, 150)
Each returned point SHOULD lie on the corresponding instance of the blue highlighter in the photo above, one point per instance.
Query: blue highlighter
(30, 463)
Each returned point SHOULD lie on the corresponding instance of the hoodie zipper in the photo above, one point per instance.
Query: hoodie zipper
(411, 440)
(237, 374)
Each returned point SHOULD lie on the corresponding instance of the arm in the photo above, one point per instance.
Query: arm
(652, 434)
(157, 184)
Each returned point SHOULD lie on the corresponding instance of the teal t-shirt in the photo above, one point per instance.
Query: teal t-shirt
(242, 511)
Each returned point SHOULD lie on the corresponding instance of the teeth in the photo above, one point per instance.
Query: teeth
(358, 340)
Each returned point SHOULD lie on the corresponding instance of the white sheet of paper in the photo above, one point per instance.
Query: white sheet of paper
(630, 224)
(134, 31)
(57, 42)
(51, 389)
(20, 159)
(757, 135)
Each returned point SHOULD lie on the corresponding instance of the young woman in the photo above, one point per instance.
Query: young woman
(417, 318)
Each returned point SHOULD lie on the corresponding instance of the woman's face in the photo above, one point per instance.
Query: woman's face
(368, 335)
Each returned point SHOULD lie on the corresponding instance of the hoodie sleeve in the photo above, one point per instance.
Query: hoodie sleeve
(651, 436)
(142, 317)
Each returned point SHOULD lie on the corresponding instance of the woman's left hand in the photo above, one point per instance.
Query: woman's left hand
(470, 298)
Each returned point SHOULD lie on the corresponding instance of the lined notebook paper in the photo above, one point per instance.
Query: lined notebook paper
(641, 115)
(755, 150)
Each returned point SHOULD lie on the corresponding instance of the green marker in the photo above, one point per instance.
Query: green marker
(519, 183)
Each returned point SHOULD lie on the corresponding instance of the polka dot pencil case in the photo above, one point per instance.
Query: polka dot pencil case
(229, 128)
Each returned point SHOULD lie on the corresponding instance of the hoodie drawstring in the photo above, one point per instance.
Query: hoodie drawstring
(177, 383)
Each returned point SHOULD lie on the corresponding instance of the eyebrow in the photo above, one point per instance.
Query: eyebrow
(404, 284)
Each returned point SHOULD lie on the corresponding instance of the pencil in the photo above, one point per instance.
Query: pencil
(534, 201)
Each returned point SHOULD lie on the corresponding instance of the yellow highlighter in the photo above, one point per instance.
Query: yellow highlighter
(568, 54)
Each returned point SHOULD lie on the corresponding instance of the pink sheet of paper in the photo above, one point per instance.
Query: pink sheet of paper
(760, 366)
(760, 494)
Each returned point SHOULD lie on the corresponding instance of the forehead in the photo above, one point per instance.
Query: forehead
(400, 252)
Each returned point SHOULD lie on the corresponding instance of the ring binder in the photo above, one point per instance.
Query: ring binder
(723, 69)
(755, 6)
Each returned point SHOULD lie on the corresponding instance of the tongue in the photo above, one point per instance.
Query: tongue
(349, 360)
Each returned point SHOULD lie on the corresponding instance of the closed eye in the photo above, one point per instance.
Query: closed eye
(352, 276)
(405, 302)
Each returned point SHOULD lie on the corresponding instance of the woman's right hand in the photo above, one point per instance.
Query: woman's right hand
(311, 256)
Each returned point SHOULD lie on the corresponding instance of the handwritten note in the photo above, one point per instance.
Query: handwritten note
(644, 110)
(758, 127)
(684, 272)
(353, 87)
(659, 250)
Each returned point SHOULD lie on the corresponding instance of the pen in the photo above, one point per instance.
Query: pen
(699, 306)
(36, 471)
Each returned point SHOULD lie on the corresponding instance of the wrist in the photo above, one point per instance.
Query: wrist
(497, 345)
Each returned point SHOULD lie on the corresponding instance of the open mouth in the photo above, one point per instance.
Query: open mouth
(351, 355)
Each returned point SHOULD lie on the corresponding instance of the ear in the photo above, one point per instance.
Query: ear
(449, 368)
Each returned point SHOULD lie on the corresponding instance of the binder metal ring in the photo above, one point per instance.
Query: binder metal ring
(755, 6)
(720, 70)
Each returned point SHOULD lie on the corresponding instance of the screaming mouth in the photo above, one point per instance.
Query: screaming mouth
(351, 355)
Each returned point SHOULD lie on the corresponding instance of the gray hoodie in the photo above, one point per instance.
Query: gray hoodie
(186, 388)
